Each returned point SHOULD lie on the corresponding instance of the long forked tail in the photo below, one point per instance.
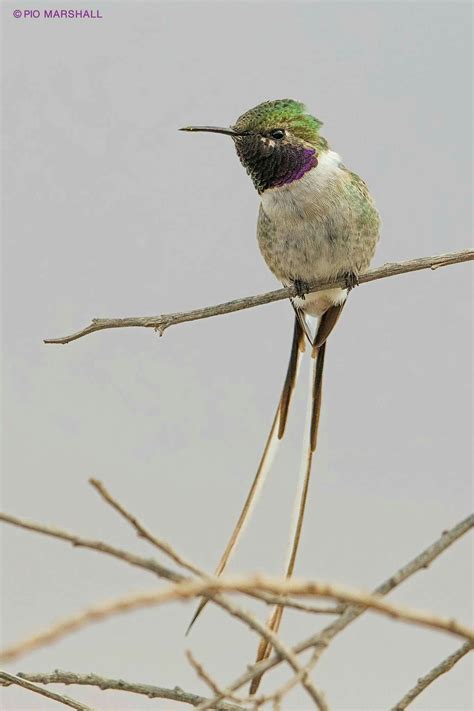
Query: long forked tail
(276, 433)
(327, 323)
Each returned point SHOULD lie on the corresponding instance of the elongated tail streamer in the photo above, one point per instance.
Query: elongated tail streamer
(277, 432)
(309, 447)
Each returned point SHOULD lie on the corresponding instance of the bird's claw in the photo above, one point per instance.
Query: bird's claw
(351, 280)
(301, 287)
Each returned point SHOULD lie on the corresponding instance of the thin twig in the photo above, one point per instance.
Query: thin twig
(277, 696)
(178, 558)
(149, 563)
(21, 681)
(99, 546)
(295, 605)
(291, 683)
(434, 674)
(250, 620)
(206, 677)
(262, 630)
(143, 532)
(152, 692)
(196, 588)
(220, 600)
(322, 639)
(164, 321)
(180, 591)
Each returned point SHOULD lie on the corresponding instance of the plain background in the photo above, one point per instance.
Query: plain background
(110, 211)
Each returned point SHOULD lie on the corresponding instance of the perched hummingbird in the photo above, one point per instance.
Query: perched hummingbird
(317, 221)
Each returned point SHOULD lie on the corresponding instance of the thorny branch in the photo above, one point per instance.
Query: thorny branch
(164, 321)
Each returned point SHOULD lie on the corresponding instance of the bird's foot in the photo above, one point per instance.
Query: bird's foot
(301, 286)
(352, 280)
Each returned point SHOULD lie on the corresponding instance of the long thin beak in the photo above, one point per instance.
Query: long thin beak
(211, 129)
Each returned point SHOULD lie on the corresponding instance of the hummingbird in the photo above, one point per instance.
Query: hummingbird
(316, 221)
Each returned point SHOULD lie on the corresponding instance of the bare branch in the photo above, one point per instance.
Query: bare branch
(99, 546)
(152, 692)
(434, 674)
(263, 631)
(279, 694)
(164, 321)
(295, 605)
(322, 639)
(150, 564)
(143, 532)
(250, 620)
(168, 550)
(21, 681)
(206, 677)
(196, 588)
(223, 602)
(318, 641)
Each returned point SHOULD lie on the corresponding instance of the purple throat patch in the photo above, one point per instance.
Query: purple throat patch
(307, 159)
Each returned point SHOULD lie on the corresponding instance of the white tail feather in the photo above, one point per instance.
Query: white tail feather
(264, 468)
(305, 466)
(254, 493)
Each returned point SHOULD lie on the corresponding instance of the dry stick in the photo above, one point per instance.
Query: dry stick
(145, 563)
(21, 681)
(421, 561)
(283, 650)
(250, 620)
(429, 678)
(164, 321)
(166, 548)
(280, 693)
(188, 589)
(223, 602)
(322, 639)
(152, 692)
(180, 591)
(300, 606)
(99, 546)
(206, 677)
(163, 546)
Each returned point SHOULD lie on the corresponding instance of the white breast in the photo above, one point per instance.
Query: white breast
(301, 195)
(299, 213)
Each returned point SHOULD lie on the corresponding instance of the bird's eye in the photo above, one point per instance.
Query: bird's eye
(277, 133)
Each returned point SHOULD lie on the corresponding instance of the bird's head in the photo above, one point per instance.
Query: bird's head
(276, 141)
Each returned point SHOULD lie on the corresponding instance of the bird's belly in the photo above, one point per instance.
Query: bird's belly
(301, 251)
(306, 253)
(318, 228)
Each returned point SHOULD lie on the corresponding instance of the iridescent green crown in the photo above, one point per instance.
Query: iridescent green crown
(284, 113)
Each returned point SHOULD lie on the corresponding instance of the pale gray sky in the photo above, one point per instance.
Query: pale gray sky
(110, 211)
